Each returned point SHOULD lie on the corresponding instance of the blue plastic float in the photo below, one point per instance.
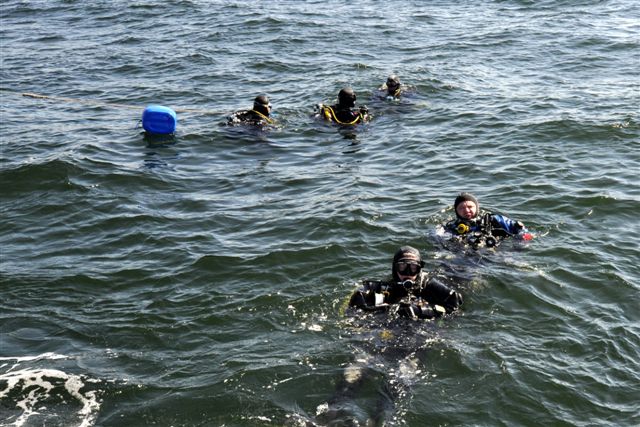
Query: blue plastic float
(159, 120)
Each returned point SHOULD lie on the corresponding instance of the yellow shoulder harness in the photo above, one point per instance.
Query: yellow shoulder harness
(330, 115)
(265, 118)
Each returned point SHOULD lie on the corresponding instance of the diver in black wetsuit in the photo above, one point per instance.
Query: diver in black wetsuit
(344, 112)
(392, 87)
(258, 116)
(410, 291)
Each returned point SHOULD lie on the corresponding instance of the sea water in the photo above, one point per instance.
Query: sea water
(200, 278)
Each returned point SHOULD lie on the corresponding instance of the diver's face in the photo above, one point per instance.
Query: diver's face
(467, 210)
(408, 268)
(265, 108)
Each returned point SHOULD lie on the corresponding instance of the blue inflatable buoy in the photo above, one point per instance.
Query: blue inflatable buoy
(159, 120)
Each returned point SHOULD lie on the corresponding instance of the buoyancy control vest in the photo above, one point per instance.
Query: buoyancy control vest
(342, 116)
(426, 298)
(484, 230)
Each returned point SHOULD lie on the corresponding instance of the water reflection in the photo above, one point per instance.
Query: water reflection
(155, 141)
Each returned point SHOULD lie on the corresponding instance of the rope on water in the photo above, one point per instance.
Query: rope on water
(107, 104)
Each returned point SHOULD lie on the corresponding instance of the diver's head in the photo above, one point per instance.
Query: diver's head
(347, 98)
(407, 264)
(262, 105)
(466, 206)
(393, 83)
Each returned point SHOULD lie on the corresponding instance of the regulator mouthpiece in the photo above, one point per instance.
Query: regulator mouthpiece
(407, 284)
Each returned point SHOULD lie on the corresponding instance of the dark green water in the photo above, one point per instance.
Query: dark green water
(199, 280)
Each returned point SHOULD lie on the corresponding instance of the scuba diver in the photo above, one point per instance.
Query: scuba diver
(374, 384)
(410, 292)
(392, 88)
(482, 228)
(344, 112)
(258, 116)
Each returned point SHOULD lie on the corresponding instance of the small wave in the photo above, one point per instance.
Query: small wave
(582, 129)
(48, 174)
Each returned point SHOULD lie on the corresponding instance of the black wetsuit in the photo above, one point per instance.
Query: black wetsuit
(385, 92)
(426, 298)
(343, 115)
(249, 117)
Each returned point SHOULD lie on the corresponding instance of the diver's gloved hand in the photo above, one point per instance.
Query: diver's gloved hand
(525, 235)
(408, 310)
(420, 310)
(521, 232)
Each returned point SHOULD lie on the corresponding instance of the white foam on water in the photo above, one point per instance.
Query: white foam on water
(48, 356)
(352, 373)
(18, 360)
(33, 386)
(323, 408)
